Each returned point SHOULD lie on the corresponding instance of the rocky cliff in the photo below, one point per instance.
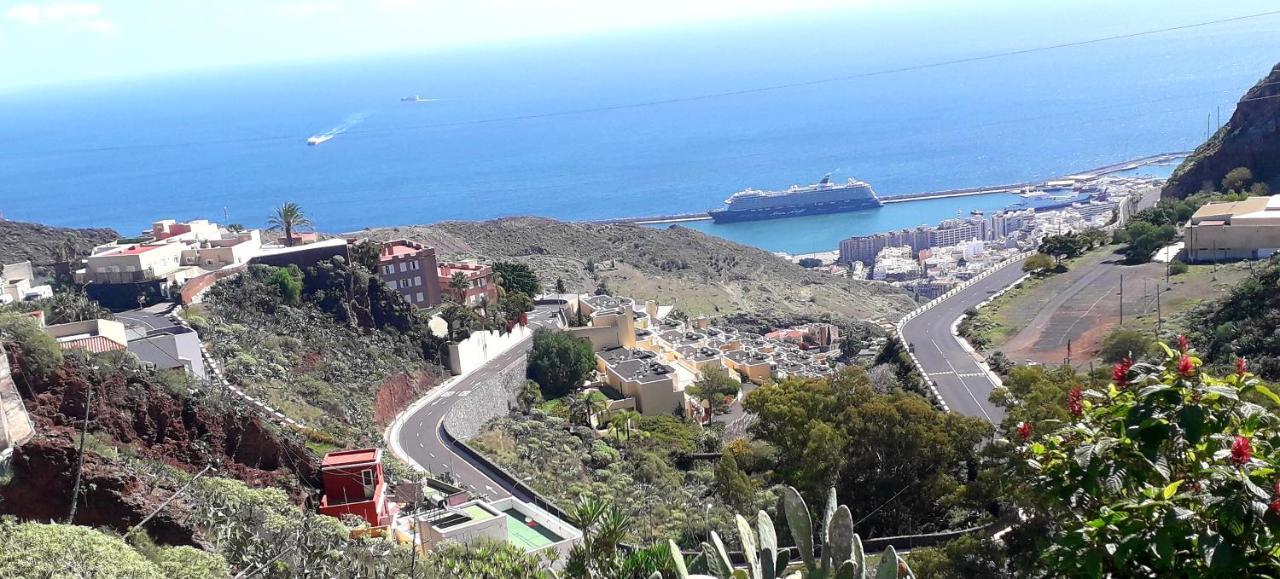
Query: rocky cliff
(1251, 138)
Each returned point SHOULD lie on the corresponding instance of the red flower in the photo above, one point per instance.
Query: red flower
(1241, 451)
(1241, 367)
(1275, 507)
(1024, 430)
(1183, 343)
(1120, 372)
(1073, 402)
(1185, 367)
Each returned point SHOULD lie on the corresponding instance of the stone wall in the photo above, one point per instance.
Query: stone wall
(492, 397)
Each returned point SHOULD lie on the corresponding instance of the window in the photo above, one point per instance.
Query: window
(366, 476)
(417, 280)
(403, 267)
(414, 265)
(418, 298)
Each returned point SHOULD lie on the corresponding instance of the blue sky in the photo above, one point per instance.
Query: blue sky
(56, 41)
(68, 40)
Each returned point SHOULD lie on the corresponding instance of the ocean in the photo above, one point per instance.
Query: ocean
(627, 124)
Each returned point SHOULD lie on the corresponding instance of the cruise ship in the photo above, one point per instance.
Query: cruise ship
(821, 197)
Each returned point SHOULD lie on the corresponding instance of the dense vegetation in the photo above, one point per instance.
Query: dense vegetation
(899, 463)
(559, 362)
(324, 358)
(635, 464)
(1245, 322)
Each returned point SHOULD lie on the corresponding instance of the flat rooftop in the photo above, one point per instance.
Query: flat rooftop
(135, 250)
(351, 457)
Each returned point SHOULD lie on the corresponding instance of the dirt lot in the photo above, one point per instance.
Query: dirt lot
(1038, 320)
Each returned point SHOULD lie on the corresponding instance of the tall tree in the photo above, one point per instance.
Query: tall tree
(458, 285)
(288, 217)
(517, 277)
(559, 362)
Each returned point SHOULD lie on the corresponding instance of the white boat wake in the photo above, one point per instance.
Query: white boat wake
(344, 126)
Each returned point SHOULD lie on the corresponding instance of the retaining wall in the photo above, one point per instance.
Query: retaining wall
(493, 397)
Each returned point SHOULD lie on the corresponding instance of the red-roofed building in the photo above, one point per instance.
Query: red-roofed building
(354, 484)
(479, 281)
(410, 269)
(95, 336)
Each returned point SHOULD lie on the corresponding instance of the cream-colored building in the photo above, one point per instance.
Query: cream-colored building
(1248, 229)
(174, 252)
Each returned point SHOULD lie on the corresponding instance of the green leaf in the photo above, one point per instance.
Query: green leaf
(1191, 419)
(801, 525)
(1171, 489)
(1267, 392)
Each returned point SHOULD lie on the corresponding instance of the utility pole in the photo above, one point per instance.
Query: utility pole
(84, 428)
(1159, 315)
(1122, 300)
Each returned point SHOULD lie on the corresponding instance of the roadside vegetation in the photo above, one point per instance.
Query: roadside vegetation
(1158, 226)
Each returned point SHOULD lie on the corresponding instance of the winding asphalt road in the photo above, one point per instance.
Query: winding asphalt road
(962, 383)
(422, 435)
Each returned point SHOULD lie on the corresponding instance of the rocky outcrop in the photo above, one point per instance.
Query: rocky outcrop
(41, 244)
(1251, 138)
(131, 414)
(181, 431)
(44, 473)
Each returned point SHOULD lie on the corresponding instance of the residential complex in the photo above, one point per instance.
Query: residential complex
(412, 270)
(1248, 229)
(171, 253)
(648, 360)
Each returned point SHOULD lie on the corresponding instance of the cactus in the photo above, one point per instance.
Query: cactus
(842, 554)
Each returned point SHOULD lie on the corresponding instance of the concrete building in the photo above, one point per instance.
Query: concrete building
(96, 336)
(411, 269)
(171, 347)
(479, 278)
(522, 525)
(1248, 229)
(134, 262)
(641, 377)
(16, 284)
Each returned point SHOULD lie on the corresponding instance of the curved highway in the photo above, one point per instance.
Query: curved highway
(421, 434)
(963, 384)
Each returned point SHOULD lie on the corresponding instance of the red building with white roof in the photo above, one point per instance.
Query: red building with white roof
(354, 484)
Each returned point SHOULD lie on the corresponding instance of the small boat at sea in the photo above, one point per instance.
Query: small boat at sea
(316, 140)
(415, 99)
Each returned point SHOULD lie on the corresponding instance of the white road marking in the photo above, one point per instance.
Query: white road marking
(962, 382)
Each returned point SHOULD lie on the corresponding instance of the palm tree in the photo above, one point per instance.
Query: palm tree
(287, 217)
(459, 284)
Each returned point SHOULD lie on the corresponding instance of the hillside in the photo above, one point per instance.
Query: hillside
(41, 244)
(1251, 138)
(700, 273)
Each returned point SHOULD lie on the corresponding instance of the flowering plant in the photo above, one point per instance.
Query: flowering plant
(1166, 472)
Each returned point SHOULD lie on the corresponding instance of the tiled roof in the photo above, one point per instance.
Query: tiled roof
(95, 344)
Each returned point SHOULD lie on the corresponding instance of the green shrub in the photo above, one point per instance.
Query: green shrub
(40, 550)
(40, 351)
(1177, 267)
(1165, 472)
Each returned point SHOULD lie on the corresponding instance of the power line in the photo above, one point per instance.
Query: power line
(696, 98)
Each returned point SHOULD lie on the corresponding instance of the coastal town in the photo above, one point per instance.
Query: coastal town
(455, 296)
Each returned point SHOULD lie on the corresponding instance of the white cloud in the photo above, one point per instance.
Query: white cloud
(78, 16)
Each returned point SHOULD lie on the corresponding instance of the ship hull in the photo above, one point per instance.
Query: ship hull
(738, 215)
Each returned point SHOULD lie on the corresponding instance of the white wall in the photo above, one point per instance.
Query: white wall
(481, 347)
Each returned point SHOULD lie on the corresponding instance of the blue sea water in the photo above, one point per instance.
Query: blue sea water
(551, 128)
